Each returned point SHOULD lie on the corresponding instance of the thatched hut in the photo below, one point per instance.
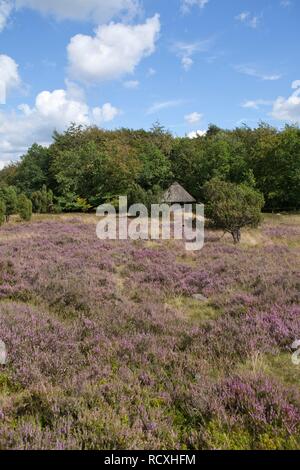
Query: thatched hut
(176, 194)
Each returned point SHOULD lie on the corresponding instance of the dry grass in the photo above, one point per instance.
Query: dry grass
(250, 237)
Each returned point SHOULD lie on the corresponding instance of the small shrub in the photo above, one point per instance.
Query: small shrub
(42, 201)
(9, 196)
(2, 212)
(24, 207)
(232, 207)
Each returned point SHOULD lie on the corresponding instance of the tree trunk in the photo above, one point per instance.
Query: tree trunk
(236, 235)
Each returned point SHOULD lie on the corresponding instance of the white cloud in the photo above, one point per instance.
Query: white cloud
(114, 51)
(288, 109)
(253, 72)
(195, 134)
(186, 5)
(3, 163)
(242, 17)
(151, 72)
(187, 63)
(285, 3)
(295, 84)
(105, 114)
(131, 84)
(156, 107)
(5, 11)
(9, 76)
(255, 104)
(193, 118)
(97, 11)
(186, 50)
(52, 110)
(57, 107)
(248, 19)
(254, 22)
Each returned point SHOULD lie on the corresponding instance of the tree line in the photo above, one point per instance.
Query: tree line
(84, 167)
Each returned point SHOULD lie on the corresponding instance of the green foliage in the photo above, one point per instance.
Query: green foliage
(231, 207)
(276, 160)
(33, 169)
(138, 195)
(36, 199)
(24, 207)
(221, 437)
(42, 201)
(9, 195)
(156, 168)
(2, 212)
(94, 164)
(94, 173)
(71, 203)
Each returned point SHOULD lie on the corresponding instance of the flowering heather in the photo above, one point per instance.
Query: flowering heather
(108, 349)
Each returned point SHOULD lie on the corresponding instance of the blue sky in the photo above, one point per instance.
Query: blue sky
(114, 63)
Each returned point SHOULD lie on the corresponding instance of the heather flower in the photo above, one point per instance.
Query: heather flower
(100, 357)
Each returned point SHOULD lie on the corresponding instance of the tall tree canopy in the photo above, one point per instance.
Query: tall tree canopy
(85, 166)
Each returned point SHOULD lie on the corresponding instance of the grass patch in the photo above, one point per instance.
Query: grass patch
(282, 367)
(7, 386)
(278, 366)
(189, 308)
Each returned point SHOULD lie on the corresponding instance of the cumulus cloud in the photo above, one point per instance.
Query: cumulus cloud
(9, 76)
(5, 11)
(288, 109)
(296, 84)
(105, 114)
(52, 110)
(186, 5)
(195, 134)
(114, 51)
(97, 11)
(193, 118)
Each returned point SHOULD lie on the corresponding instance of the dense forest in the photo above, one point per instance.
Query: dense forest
(84, 167)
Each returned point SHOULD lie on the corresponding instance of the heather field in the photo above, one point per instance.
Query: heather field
(108, 348)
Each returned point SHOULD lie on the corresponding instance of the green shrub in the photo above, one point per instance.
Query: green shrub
(24, 207)
(42, 201)
(36, 199)
(231, 207)
(218, 436)
(73, 203)
(9, 196)
(2, 212)
(138, 195)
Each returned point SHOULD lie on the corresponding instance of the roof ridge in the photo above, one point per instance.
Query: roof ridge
(177, 194)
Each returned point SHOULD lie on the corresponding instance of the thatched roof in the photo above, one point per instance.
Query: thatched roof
(177, 194)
